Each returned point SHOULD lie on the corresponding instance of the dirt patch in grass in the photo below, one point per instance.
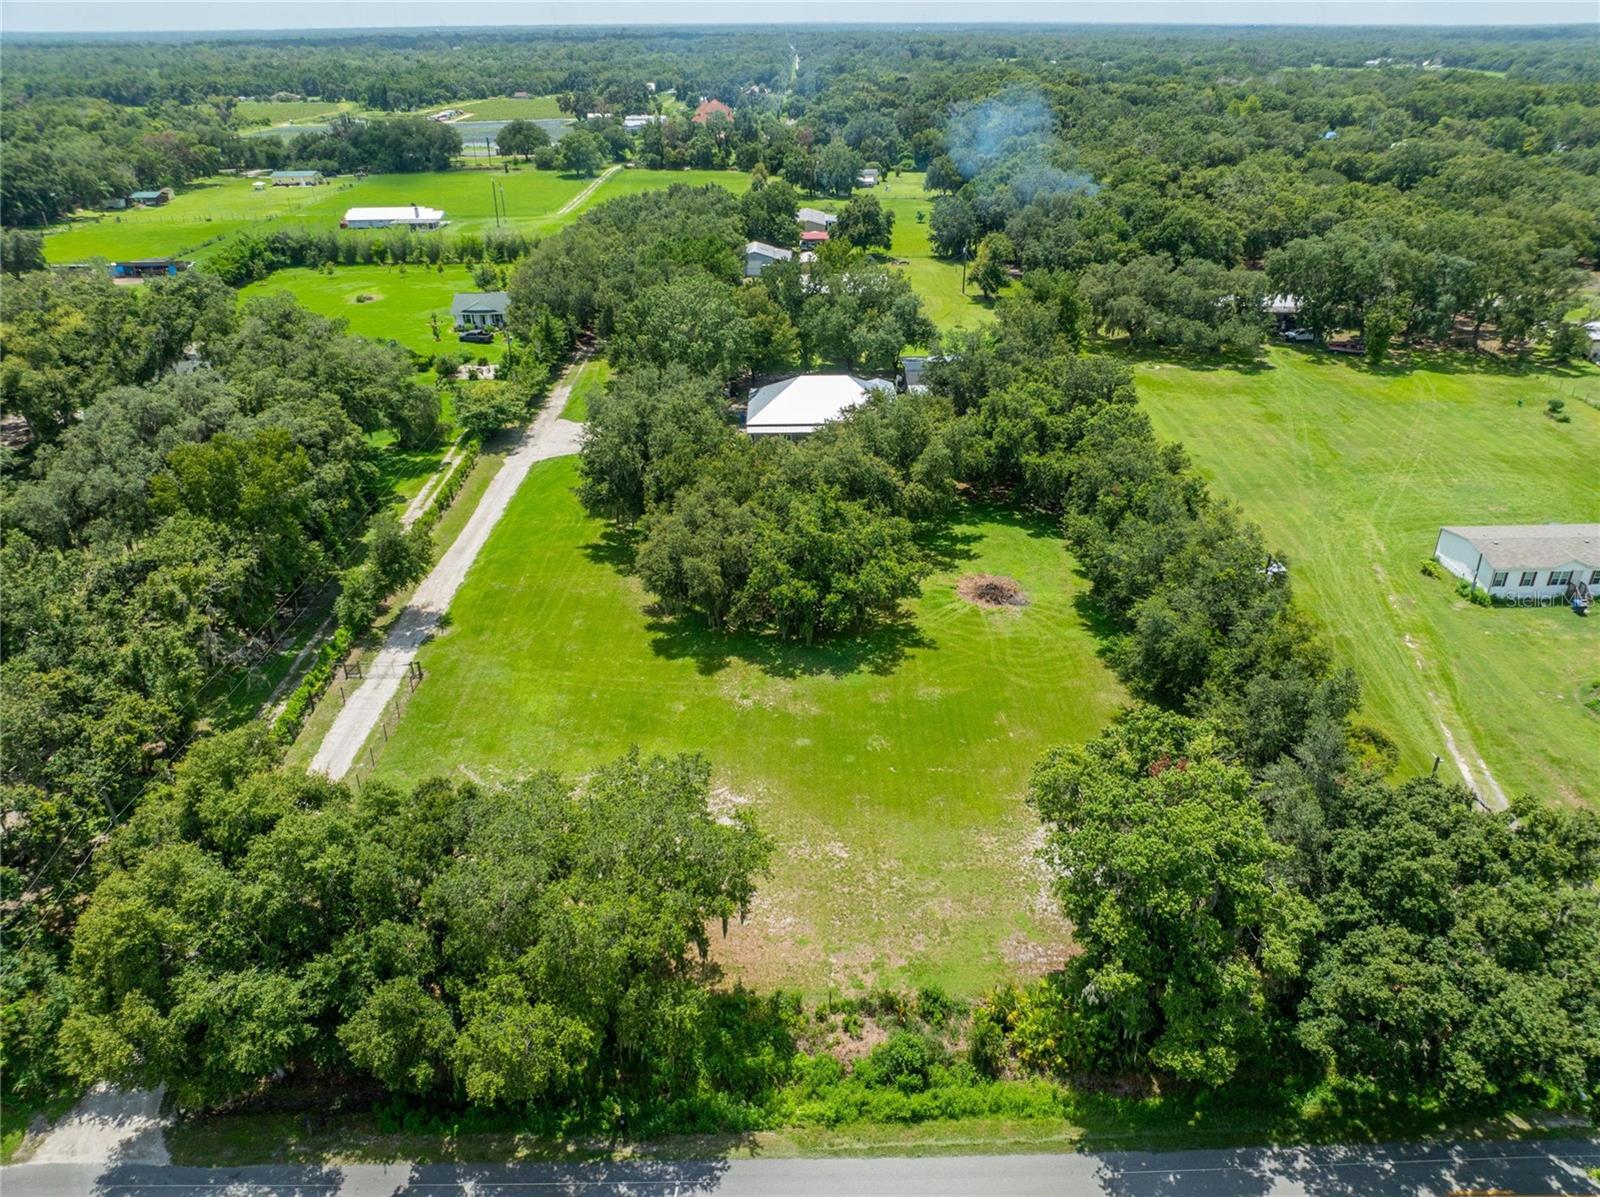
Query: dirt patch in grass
(991, 590)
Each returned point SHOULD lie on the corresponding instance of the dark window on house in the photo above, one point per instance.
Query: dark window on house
(1530, 577)
(1594, 578)
(1497, 581)
(1561, 578)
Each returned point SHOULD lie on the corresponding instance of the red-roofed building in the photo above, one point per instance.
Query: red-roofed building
(813, 237)
(708, 108)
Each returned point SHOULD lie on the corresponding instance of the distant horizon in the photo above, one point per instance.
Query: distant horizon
(154, 18)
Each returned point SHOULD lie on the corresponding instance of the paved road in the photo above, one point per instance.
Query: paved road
(1397, 1171)
(548, 436)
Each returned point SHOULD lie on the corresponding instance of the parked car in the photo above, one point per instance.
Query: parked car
(1299, 334)
(1347, 345)
(478, 336)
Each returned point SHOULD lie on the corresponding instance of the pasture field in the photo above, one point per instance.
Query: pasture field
(889, 769)
(205, 214)
(400, 301)
(505, 108)
(199, 217)
(1350, 472)
(263, 114)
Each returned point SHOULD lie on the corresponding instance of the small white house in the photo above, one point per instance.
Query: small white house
(479, 309)
(1522, 561)
(758, 255)
(1593, 330)
(802, 404)
(814, 220)
(296, 178)
(410, 216)
(870, 177)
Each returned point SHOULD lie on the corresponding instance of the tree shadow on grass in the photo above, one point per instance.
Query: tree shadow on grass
(1107, 635)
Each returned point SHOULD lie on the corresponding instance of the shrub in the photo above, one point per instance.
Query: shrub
(903, 1060)
(935, 1007)
(1430, 568)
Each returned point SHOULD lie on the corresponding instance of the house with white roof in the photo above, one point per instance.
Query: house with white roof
(408, 216)
(800, 405)
(1592, 352)
(758, 255)
(1522, 561)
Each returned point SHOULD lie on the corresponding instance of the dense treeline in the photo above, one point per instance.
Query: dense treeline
(253, 256)
(657, 275)
(531, 944)
(191, 468)
(1309, 925)
(599, 68)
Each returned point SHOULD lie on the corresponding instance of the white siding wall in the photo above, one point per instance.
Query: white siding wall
(1457, 555)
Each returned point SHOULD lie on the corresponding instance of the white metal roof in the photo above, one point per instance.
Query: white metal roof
(1534, 546)
(772, 251)
(407, 213)
(804, 403)
(815, 216)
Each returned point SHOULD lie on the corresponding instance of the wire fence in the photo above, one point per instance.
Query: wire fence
(366, 762)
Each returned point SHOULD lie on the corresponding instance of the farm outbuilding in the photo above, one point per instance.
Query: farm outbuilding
(296, 178)
(139, 269)
(758, 255)
(802, 404)
(1522, 561)
(409, 216)
(814, 220)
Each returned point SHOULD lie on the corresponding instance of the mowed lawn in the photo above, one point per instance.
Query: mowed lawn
(506, 108)
(199, 217)
(937, 281)
(385, 302)
(1351, 473)
(890, 769)
(262, 114)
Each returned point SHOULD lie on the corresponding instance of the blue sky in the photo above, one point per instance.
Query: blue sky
(111, 16)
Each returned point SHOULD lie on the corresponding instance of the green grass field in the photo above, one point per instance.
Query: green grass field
(401, 300)
(889, 769)
(203, 215)
(590, 381)
(197, 219)
(1351, 473)
(263, 114)
(504, 108)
